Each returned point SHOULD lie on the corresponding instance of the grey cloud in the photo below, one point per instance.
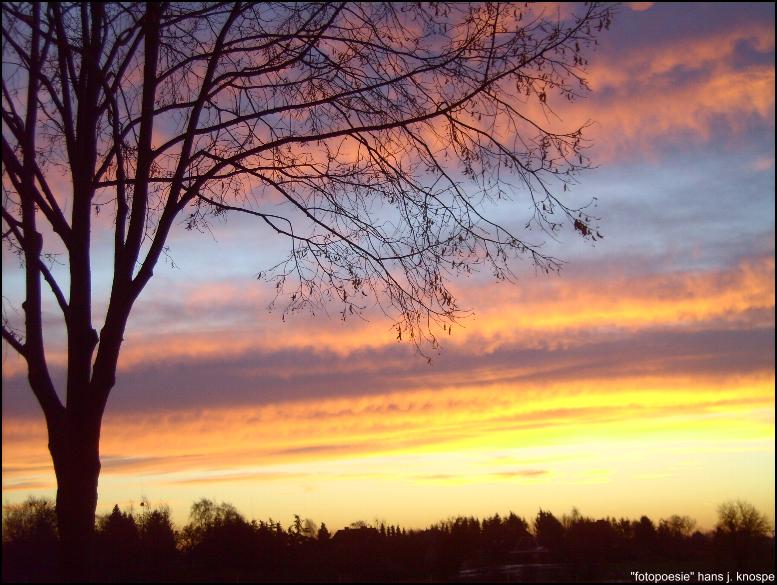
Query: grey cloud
(667, 21)
(265, 377)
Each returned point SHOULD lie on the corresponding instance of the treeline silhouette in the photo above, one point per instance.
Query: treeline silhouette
(219, 544)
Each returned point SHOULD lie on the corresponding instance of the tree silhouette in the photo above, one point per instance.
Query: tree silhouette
(673, 535)
(157, 543)
(644, 532)
(218, 544)
(739, 529)
(219, 540)
(118, 545)
(381, 129)
(30, 550)
(549, 532)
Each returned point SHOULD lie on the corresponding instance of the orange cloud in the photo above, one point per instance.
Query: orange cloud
(552, 312)
(640, 6)
(644, 97)
(557, 304)
(542, 311)
(27, 486)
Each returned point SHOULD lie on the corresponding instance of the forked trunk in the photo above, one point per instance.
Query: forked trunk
(76, 454)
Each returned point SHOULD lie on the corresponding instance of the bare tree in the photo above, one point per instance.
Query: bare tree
(370, 136)
(740, 526)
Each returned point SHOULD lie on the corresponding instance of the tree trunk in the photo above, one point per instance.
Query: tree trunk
(75, 450)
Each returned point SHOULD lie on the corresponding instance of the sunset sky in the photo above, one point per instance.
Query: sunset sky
(638, 380)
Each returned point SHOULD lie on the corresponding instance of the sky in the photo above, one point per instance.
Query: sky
(638, 380)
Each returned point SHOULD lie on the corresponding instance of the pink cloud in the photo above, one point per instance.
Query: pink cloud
(645, 99)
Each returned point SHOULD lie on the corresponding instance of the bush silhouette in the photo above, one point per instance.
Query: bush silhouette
(30, 545)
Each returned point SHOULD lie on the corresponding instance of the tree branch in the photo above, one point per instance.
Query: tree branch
(14, 342)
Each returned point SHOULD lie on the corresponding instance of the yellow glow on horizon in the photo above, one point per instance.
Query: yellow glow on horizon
(614, 434)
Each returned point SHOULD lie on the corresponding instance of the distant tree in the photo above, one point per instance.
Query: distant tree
(644, 532)
(463, 543)
(271, 551)
(30, 550)
(673, 536)
(384, 130)
(323, 533)
(33, 519)
(205, 515)
(588, 544)
(118, 545)
(623, 536)
(549, 532)
(302, 530)
(309, 529)
(219, 542)
(676, 526)
(517, 530)
(119, 526)
(157, 542)
(742, 518)
(296, 527)
(501, 535)
(359, 552)
(569, 520)
(740, 526)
